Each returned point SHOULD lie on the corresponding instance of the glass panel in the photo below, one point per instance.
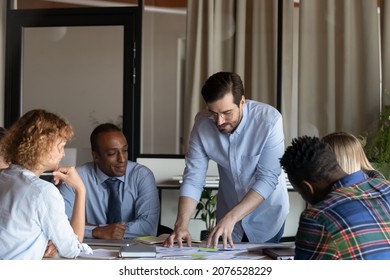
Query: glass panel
(162, 80)
(164, 28)
(76, 72)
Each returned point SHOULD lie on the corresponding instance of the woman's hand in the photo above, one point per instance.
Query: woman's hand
(69, 176)
(50, 251)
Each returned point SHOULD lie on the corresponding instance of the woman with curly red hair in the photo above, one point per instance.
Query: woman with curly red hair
(33, 223)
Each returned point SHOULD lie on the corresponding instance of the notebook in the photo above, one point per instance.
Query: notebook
(152, 239)
(138, 250)
(260, 247)
(280, 253)
(108, 242)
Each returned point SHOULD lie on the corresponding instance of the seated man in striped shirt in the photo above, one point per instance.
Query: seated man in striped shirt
(349, 216)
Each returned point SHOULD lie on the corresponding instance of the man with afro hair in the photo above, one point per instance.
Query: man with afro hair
(348, 215)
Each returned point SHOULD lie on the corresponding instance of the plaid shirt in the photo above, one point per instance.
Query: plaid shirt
(353, 222)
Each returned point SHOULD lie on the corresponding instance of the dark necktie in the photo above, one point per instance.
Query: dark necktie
(114, 213)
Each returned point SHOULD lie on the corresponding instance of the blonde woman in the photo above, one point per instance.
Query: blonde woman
(350, 154)
(33, 222)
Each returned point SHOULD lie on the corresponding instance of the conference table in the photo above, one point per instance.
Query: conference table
(198, 251)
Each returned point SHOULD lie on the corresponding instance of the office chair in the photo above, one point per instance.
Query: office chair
(163, 229)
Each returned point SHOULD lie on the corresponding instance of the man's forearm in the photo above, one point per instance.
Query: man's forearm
(249, 203)
(187, 208)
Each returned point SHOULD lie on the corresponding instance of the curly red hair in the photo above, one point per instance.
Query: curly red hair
(30, 139)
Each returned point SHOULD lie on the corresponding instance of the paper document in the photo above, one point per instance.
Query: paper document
(156, 239)
(203, 253)
(100, 254)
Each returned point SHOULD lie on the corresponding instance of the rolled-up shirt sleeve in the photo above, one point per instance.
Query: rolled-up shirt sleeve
(268, 167)
(196, 165)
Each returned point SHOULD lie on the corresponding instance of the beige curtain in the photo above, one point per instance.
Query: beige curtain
(339, 73)
(230, 35)
(385, 39)
(333, 47)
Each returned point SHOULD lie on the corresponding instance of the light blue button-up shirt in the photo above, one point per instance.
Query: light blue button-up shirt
(138, 194)
(247, 159)
(32, 212)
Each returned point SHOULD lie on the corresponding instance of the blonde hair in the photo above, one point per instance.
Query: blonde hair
(349, 151)
(30, 139)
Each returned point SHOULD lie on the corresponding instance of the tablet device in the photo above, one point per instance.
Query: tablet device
(280, 253)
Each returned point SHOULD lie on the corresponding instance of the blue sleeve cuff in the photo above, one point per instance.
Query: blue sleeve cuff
(88, 231)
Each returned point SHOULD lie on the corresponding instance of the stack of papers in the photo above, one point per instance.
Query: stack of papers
(152, 240)
(203, 253)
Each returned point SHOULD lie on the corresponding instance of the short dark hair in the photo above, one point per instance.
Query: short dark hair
(220, 84)
(101, 128)
(309, 158)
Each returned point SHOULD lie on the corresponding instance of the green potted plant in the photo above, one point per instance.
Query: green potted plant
(205, 211)
(377, 146)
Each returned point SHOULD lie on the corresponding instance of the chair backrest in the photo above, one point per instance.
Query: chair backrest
(163, 229)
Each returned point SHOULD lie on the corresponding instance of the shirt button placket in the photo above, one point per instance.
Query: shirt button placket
(233, 160)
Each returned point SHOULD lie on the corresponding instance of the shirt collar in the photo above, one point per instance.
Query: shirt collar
(351, 179)
(242, 123)
(101, 176)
